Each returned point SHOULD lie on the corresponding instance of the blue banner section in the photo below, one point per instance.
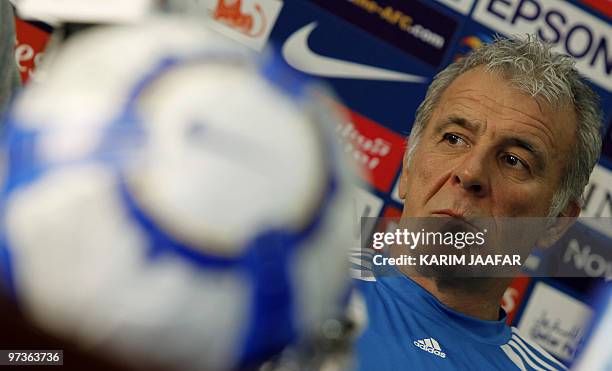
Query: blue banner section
(582, 252)
(372, 77)
(381, 55)
(416, 29)
(359, 35)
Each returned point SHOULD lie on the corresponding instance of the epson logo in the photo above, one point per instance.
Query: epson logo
(593, 264)
(570, 29)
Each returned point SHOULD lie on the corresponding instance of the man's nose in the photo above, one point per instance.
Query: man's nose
(472, 174)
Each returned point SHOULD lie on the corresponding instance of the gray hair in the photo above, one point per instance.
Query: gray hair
(532, 68)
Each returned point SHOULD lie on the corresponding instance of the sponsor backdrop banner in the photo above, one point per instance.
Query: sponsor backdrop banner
(30, 42)
(380, 56)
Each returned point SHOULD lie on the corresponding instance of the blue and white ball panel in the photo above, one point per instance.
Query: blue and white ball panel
(125, 262)
(92, 280)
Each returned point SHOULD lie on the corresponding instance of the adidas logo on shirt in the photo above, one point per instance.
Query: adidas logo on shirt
(430, 345)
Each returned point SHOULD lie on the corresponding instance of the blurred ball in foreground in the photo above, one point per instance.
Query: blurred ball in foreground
(173, 200)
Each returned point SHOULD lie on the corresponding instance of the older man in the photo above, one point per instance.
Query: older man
(511, 130)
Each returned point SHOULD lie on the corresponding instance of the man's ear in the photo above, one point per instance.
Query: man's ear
(562, 222)
(403, 181)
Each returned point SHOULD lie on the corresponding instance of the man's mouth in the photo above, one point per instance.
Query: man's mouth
(456, 215)
(451, 213)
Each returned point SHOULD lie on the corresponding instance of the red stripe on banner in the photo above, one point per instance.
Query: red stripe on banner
(603, 6)
(30, 45)
(376, 149)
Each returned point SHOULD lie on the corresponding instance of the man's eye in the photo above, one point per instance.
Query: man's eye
(514, 161)
(453, 139)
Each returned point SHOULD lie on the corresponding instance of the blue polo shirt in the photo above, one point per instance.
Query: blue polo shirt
(409, 329)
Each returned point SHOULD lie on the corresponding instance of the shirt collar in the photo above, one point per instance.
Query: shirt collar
(415, 298)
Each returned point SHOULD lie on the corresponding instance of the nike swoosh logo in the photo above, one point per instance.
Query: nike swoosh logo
(299, 56)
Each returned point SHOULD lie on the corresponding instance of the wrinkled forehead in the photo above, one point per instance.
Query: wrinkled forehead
(502, 87)
(488, 97)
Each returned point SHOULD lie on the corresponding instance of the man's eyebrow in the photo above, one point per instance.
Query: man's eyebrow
(459, 121)
(530, 147)
(475, 127)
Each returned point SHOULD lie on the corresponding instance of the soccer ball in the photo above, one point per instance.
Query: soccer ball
(170, 198)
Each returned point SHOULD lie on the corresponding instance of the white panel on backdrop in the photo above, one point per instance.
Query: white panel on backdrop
(246, 21)
(570, 29)
(597, 210)
(597, 355)
(84, 11)
(367, 205)
(462, 6)
(555, 320)
(395, 193)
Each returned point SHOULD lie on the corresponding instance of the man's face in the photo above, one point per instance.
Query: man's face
(487, 151)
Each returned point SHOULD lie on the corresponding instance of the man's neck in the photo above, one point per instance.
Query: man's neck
(474, 297)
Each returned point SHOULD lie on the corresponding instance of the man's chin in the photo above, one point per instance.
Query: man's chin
(468, 284)
(447, 272)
